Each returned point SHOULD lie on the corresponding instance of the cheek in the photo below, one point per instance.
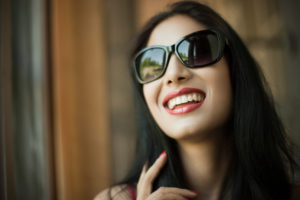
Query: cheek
(222, 100)
(221, 95)
(222, 87)
(151, 91)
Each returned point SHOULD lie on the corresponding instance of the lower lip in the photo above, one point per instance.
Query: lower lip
(184, 109)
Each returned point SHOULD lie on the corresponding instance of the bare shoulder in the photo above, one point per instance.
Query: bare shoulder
(118, 192)
(295, 192)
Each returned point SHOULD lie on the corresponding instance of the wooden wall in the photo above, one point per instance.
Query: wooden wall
(80, 96)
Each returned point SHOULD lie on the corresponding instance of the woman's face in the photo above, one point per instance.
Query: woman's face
(210, 84)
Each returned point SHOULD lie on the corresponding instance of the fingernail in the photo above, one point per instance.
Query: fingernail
(163, 153)
(194, 192)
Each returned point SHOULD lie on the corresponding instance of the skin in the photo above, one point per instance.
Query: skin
(200, 134)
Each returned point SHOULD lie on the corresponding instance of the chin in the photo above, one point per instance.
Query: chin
(192, 133)
(186, 133)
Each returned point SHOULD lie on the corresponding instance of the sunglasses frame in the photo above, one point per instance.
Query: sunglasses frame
(174, 48)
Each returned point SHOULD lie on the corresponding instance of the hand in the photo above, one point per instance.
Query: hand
(147, 177)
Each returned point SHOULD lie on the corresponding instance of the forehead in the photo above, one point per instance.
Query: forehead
(172, 29)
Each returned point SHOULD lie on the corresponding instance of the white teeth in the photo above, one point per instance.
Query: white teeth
(195, 97)
(184, 99)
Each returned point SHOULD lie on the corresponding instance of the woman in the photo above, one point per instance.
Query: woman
(205, 105)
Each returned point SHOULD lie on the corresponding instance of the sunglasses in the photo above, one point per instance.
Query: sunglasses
(195, 50)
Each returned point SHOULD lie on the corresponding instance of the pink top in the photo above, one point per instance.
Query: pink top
(132, 192)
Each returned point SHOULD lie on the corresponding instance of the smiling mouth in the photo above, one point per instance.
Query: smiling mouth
(185, 99)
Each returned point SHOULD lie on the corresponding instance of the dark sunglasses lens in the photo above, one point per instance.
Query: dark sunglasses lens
(150, 64)
(198, 50)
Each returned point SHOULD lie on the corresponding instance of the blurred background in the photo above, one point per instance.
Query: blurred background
(67, 112)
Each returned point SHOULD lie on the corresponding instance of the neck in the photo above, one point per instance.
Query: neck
(205, 165)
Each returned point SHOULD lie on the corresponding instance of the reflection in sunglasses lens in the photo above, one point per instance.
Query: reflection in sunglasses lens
(199, 50)
(151, 64)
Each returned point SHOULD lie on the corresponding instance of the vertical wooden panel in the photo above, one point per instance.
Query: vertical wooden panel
(24, 116)
(81, 116)
(145, 9)
(289, 10)
(120, 20)
(28, 92)
(7, 190)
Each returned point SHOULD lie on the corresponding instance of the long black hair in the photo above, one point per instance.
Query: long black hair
(262, 167)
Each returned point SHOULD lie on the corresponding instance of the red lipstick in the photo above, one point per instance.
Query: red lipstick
(185, 107)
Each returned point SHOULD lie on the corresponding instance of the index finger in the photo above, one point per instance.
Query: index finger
(154, 170)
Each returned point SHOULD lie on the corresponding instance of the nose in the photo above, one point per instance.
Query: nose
(176, 72)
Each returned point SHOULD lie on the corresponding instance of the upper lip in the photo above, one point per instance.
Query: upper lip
(173, 94)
